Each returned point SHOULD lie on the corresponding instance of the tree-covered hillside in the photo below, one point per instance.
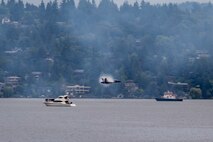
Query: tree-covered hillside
(67, 44)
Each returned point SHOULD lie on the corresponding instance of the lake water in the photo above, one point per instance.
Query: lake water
(106, 120)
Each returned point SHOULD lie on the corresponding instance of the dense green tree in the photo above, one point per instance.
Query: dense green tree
(108, 9)
(67, 7)
(42, 11)
(2, 3)
(8, 91)
(195, 93)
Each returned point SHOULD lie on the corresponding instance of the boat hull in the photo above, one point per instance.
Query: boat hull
(164, 99)
(57, 104)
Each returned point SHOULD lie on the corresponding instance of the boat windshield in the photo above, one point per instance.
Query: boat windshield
(57, 101)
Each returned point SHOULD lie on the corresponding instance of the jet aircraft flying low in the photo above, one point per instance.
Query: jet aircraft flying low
(106, 81)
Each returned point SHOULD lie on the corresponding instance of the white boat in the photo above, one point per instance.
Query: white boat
(61, 101)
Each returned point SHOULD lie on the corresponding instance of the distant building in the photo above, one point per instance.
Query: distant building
(14, 81)
(77, 90)
(138, 42)
(5, 20)
(181, 86)
(201, 54)
(191, 59)
(178, 83)
(198, 55)
(36, 74)
(49, 60)
(13, 51)
(79, 71)
(131, 86)
(61, 23)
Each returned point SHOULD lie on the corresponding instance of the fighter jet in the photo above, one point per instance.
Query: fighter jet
(106, 81)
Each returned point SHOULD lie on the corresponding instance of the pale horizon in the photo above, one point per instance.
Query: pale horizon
(120, 2)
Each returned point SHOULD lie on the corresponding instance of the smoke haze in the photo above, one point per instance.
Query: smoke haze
(145, 46)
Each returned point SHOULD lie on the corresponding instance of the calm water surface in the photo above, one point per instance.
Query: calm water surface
(94, 120)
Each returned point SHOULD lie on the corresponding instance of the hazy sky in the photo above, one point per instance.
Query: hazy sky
(119, 2)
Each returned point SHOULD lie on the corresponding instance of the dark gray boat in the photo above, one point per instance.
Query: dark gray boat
(163, 99)
(168, 96)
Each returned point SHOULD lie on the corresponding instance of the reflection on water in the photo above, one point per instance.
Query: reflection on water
(101, 120)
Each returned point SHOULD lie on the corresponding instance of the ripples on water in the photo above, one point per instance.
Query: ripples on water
(100, 120)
